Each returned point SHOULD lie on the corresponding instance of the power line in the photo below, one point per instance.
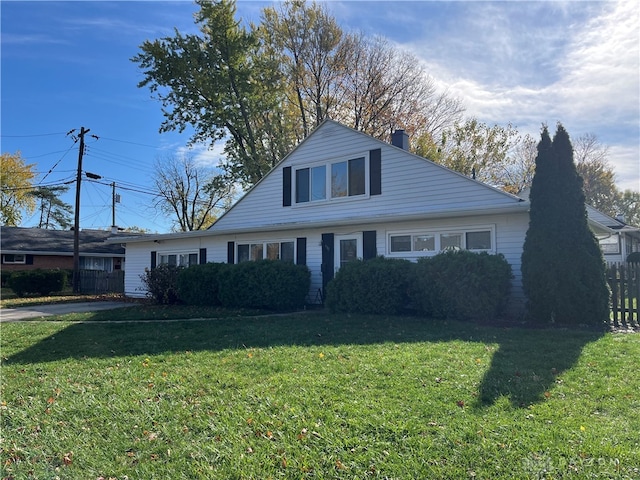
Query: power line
(33, 135)
(131, 143)
(59, 160)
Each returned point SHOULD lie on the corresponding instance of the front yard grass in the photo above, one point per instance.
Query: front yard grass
(317, 396)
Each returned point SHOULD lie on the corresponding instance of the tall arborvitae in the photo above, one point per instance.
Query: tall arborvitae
(562, 266)
(538, 261)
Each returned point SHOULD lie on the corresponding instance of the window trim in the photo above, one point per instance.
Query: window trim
(328, 166)
(617, 242)
(437, 232)
(265, 244)
(178, 254)
(14, 261)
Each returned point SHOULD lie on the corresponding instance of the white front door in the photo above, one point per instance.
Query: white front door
(347, 249)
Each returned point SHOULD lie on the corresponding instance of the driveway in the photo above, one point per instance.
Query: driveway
(38, 311)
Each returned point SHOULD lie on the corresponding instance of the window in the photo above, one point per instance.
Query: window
(610, 245)
(266, 250)
(331, 181)
(424, 243)
(479, 240)
(15, 258)
(311, 184)
(450, 241)
(104, 264)
(432, 242)
(348, 178)
(401, 243)
(178, 259)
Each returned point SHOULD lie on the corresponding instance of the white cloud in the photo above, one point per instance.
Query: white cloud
(547, 62)
(600, 74)
(204, 156)
(627, 167)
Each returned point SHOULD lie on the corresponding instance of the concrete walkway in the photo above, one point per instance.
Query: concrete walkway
(39, 311)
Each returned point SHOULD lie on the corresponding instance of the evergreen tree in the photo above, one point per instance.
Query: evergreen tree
(538, 262)
(562, 266)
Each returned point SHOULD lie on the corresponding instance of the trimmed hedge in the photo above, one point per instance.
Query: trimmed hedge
(378, 285)
(41, 282)
(4, 277)
(198, 284)
(462, 285)
(267, 284)
(456, 284)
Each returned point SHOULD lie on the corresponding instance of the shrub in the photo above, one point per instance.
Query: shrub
(198, 284)
(268, 284)
(161, 283)
(41, 282)
(4, 277)
(378, 285)
(462, 285)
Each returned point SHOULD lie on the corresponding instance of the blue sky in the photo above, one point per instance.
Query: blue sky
(65, 65)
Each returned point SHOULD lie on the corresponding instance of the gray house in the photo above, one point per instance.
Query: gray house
(31, 248)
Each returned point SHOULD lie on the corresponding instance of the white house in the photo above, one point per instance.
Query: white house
(617, 239)
(340, 195)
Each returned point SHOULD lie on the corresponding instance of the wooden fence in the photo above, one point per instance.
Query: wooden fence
(624, 282)
(96, 281)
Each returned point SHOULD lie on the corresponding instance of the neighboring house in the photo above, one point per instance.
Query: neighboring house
(31, 248)
(617, 239)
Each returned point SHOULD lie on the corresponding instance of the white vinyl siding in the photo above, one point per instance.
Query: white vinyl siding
(410, 185)
(420, 202)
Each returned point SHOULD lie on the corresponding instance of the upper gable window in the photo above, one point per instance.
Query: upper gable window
(352, 176)
(334, 180)
(348, 178)
(311, 184)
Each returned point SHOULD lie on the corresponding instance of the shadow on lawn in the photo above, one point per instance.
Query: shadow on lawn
(525, 366)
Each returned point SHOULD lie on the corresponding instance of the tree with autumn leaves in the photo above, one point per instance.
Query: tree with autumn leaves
(563, 271)
(16, 180)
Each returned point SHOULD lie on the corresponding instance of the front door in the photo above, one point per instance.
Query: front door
(347, 249)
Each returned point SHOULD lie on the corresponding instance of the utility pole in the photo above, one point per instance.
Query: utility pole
(76, 223)
(114, 200)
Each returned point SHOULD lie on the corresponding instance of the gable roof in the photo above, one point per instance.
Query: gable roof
(40, 241)
(602, 222)
(413, 188)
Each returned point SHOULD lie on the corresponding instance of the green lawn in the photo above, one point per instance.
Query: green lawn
(317, 396)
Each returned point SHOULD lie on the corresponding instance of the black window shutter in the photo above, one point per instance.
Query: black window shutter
(286, 187)
(203, 256)
(28, 259)
(375, 172)
(153, 260)
(231, 249)
(369, 249)
(301, 251)
(327, 259)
